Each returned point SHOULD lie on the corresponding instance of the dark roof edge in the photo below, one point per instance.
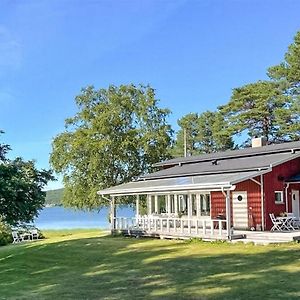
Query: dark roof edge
(203, 173)
(233, 154)
(249, 177)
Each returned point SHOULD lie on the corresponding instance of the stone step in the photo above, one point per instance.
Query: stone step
(259, 241)
(270, 237)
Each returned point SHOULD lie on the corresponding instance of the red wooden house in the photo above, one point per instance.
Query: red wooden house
(215, 194)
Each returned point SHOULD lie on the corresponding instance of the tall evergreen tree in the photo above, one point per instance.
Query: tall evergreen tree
(287, 75)
(204, 133)
(258, 109)
(212, 134)
(187, 134)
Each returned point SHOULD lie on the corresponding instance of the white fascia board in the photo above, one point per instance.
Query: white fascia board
(174, 188)
(293, 156)
(251, 176)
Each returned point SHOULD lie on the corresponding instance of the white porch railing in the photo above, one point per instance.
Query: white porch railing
(176, 226)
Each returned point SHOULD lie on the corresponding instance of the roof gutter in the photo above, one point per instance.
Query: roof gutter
(195, 159)
(168, 189)
(148, 177)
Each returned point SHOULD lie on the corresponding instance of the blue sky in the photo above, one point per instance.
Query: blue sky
(192, 52)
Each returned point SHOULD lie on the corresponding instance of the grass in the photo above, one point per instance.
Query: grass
(87, 264)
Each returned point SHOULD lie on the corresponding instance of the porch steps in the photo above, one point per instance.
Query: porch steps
(256, 237)
(265, 238)
(175, 235)
(259, 241)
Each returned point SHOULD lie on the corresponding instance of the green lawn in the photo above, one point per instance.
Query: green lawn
(89, 265)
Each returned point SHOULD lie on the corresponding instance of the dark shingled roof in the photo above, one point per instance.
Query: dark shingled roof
(274, 148)
(238, 164)
(211, 171)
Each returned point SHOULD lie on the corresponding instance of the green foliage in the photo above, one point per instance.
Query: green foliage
(260, 109)
(289, 69)
(287, 75)
(54, 197)
(117, 134)
(21, 190)
(269, 108)
(5, 234)
(4, 148)
(204, 134)
(188, 131)
(212, 136)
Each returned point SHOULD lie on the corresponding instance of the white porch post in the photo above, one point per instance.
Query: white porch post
(176, 204)
(198, 205)
(112, 214)
(169, 204)
(156, 204)
(166, 204)
(189, 203)
(137, 206)
(228, 214)
(149, 201)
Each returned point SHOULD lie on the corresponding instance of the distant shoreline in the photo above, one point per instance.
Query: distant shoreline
(52, 205)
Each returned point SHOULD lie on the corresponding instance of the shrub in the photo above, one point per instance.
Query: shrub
(5, 234)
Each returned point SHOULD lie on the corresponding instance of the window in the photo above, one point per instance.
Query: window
(172, 203)
(152, 199)
(183, 205)
(278, 197)
(205, 205)
(194, 205)
(161, 204)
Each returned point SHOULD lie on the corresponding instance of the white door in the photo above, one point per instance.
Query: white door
(295, 203)
(240, 210)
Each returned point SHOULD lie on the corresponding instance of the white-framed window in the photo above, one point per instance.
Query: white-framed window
(194, 204)
(278, 197)
(205, 204)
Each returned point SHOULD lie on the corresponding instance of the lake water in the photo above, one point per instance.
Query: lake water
(62, 218)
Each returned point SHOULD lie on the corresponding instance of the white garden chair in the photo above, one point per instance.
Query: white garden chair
(294, 221)
(34, 234)
(277, 224)
(16, 237)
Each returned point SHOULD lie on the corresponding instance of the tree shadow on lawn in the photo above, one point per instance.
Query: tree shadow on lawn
(122, 268)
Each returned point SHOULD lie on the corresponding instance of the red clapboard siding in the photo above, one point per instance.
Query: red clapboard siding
(273, 181)
(218, 204)
(253, 197)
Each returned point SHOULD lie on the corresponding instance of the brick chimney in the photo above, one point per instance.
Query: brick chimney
(259, 142)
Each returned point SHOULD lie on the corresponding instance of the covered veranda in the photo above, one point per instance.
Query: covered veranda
(176, 207)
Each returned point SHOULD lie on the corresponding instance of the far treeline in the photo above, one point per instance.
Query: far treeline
(54, 197)
(118, 133)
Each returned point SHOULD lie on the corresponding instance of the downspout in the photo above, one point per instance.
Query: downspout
(262, 198)
(286, 197)
(228, 213)
(262, 202)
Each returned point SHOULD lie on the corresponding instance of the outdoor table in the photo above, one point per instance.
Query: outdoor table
(286, 222)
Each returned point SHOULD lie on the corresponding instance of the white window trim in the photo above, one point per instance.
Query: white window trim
(282, 200)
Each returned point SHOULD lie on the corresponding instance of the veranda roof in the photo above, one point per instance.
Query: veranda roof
(211, 182)
(293, 179)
